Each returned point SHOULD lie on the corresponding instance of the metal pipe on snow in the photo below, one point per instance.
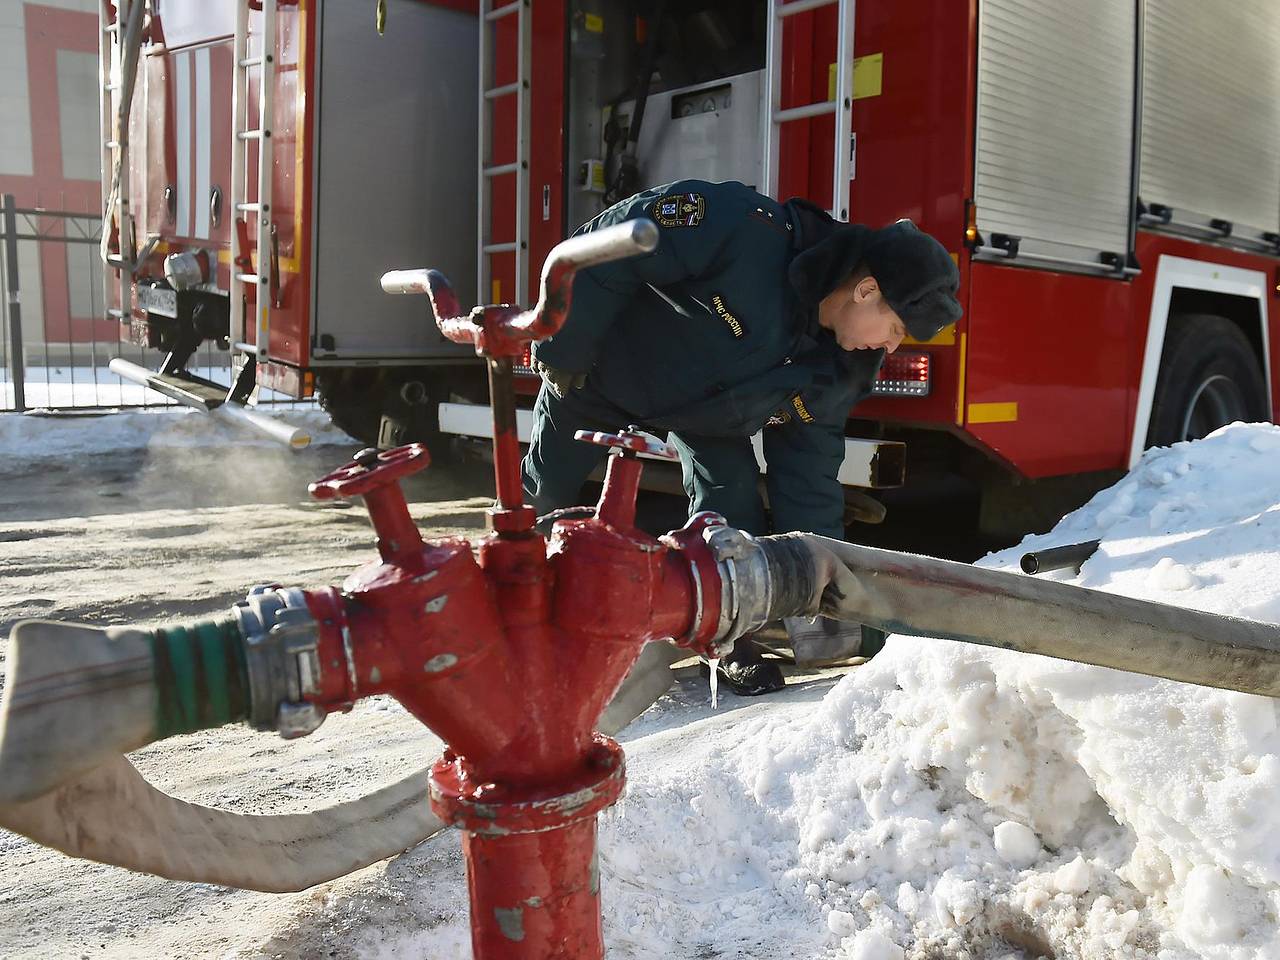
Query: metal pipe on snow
(1058, 558)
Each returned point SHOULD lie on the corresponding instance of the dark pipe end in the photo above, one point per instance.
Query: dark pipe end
(1056, 558)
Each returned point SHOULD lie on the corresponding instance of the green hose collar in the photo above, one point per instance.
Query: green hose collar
(200, 676)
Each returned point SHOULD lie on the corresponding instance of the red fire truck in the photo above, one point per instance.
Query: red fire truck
(1106, 174)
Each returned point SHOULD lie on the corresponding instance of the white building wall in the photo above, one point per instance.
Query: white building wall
(15, 109)
(78, 122)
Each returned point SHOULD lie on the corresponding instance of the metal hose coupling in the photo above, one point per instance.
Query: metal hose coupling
(761, 580)
(280, 641)
(746, 589)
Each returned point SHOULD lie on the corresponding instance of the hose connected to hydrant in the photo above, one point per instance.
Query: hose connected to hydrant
(510, 650)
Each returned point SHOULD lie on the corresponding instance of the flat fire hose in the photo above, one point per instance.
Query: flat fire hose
(919, 596)
(99, 807)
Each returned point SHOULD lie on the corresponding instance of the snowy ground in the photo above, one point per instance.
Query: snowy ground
(942, 801)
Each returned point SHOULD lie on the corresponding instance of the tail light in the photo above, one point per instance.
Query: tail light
(525, 363)
(904, 374)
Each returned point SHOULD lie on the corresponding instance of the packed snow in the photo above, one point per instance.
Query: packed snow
(45, 434)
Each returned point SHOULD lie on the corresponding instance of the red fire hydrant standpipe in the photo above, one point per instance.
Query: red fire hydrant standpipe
(511, 656)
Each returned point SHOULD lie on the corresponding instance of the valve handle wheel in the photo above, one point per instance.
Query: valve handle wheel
(369, 470)
(631, 440)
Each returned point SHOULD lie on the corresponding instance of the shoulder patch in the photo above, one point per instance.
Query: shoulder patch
(801, 410)
(723, 312)
(679, 210)
(778, 419)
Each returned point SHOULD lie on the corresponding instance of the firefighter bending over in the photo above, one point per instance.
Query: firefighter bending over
(750, 315)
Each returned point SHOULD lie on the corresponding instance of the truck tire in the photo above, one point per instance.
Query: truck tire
(1209, 377)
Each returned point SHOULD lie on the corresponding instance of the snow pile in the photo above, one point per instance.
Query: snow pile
(954, 801)
(43, 435)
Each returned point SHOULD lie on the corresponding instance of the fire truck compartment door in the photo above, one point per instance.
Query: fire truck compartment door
(1054, 126)
(1211, 111)
(874, 464)
(395, 174)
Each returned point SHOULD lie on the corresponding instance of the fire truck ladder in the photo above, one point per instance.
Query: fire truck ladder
(487, 291)
(841, 107)
(119, 43)
(253, 214)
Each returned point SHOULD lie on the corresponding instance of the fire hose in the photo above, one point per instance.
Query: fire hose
(511, 653)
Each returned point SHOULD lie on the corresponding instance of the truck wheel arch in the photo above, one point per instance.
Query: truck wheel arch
(1189, 294)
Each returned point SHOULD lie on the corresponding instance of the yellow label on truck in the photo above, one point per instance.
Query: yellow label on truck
(868, 77)
(993, 412)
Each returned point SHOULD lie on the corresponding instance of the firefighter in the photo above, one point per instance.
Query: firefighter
(751, 315)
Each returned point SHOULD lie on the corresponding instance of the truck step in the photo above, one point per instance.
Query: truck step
(189, 389)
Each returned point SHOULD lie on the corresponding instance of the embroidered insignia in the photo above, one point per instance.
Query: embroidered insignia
(680, 210)
(778, 419)
(801, 410)
(722, 311)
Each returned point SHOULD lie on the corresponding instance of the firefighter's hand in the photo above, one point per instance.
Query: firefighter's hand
(559, 382)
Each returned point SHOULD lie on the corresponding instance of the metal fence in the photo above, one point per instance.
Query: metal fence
(55, 340)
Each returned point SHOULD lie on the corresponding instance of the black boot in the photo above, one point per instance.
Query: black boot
(747, 673)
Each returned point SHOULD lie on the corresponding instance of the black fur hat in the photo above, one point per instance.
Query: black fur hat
(917, 276)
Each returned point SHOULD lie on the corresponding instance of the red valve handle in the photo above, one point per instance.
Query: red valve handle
(631, 440)
(370, 470)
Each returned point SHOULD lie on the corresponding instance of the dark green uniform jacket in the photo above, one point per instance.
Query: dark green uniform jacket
(707, 337)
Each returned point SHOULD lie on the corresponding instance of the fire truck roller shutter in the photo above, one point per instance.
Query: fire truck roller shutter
(1211, 113)
(1054, 128)
(1206, 361)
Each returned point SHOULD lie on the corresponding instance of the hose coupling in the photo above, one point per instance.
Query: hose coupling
(746, 589)
(281, 641)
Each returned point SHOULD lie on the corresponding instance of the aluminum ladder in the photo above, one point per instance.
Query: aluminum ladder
(117, 68)
(486, 291)
(243, 139)
(841, 107)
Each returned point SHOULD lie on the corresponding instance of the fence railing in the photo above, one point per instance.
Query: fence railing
(55, 339)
